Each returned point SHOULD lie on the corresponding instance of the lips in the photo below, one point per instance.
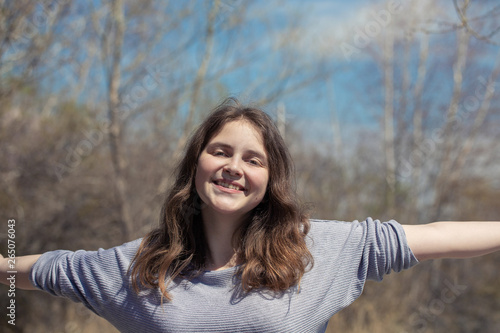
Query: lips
(229, 185)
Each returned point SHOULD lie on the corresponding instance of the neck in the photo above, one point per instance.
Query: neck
(219, 231)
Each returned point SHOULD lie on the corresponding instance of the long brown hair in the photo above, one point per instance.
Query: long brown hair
(271, 244)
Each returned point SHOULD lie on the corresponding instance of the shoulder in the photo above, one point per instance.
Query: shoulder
(330, 235)
(328, 228)
(128, 249)
(320, 227)
(319, 224)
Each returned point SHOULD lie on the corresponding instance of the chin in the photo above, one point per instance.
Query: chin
(230, 211)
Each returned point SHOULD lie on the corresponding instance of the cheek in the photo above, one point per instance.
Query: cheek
(261, 180)
(197, 181)
(202, 174)
(206, 169)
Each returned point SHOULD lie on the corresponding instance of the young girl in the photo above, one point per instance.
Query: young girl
(234, 251)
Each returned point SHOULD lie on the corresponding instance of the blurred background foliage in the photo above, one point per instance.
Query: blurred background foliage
(390, 110)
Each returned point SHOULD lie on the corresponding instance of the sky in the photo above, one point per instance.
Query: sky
(340, 39)
(346, 35)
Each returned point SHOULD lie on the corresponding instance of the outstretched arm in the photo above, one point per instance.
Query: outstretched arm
(453, 239)
(22, 267)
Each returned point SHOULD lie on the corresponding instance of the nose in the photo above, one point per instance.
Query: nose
(233, 167)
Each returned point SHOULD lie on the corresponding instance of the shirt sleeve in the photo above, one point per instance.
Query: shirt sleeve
(368, 249)
(94, 278)
(386, 249)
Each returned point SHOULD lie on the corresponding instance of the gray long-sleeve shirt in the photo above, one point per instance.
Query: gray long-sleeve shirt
(345, 254)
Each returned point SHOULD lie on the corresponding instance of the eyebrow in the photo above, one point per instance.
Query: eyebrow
(225, 145)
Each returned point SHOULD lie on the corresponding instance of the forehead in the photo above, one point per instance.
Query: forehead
(239, 131)
(241, 128)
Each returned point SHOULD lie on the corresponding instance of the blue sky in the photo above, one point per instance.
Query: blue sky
(352, 85)
(357, 81)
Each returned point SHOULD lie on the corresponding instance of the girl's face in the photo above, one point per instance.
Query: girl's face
(232, 172)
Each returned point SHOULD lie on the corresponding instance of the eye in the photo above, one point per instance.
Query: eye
(219, 153)
(255, 162)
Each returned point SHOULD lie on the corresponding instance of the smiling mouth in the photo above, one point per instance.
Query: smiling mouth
(229, 186)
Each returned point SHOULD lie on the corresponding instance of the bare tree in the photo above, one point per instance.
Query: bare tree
(483, 25)
(27, 34)
(200, 75)
(449, 130)
(389, 139)
(418, 125)
(112, 45)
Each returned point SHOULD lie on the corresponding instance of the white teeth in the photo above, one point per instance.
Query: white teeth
(227, 185)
